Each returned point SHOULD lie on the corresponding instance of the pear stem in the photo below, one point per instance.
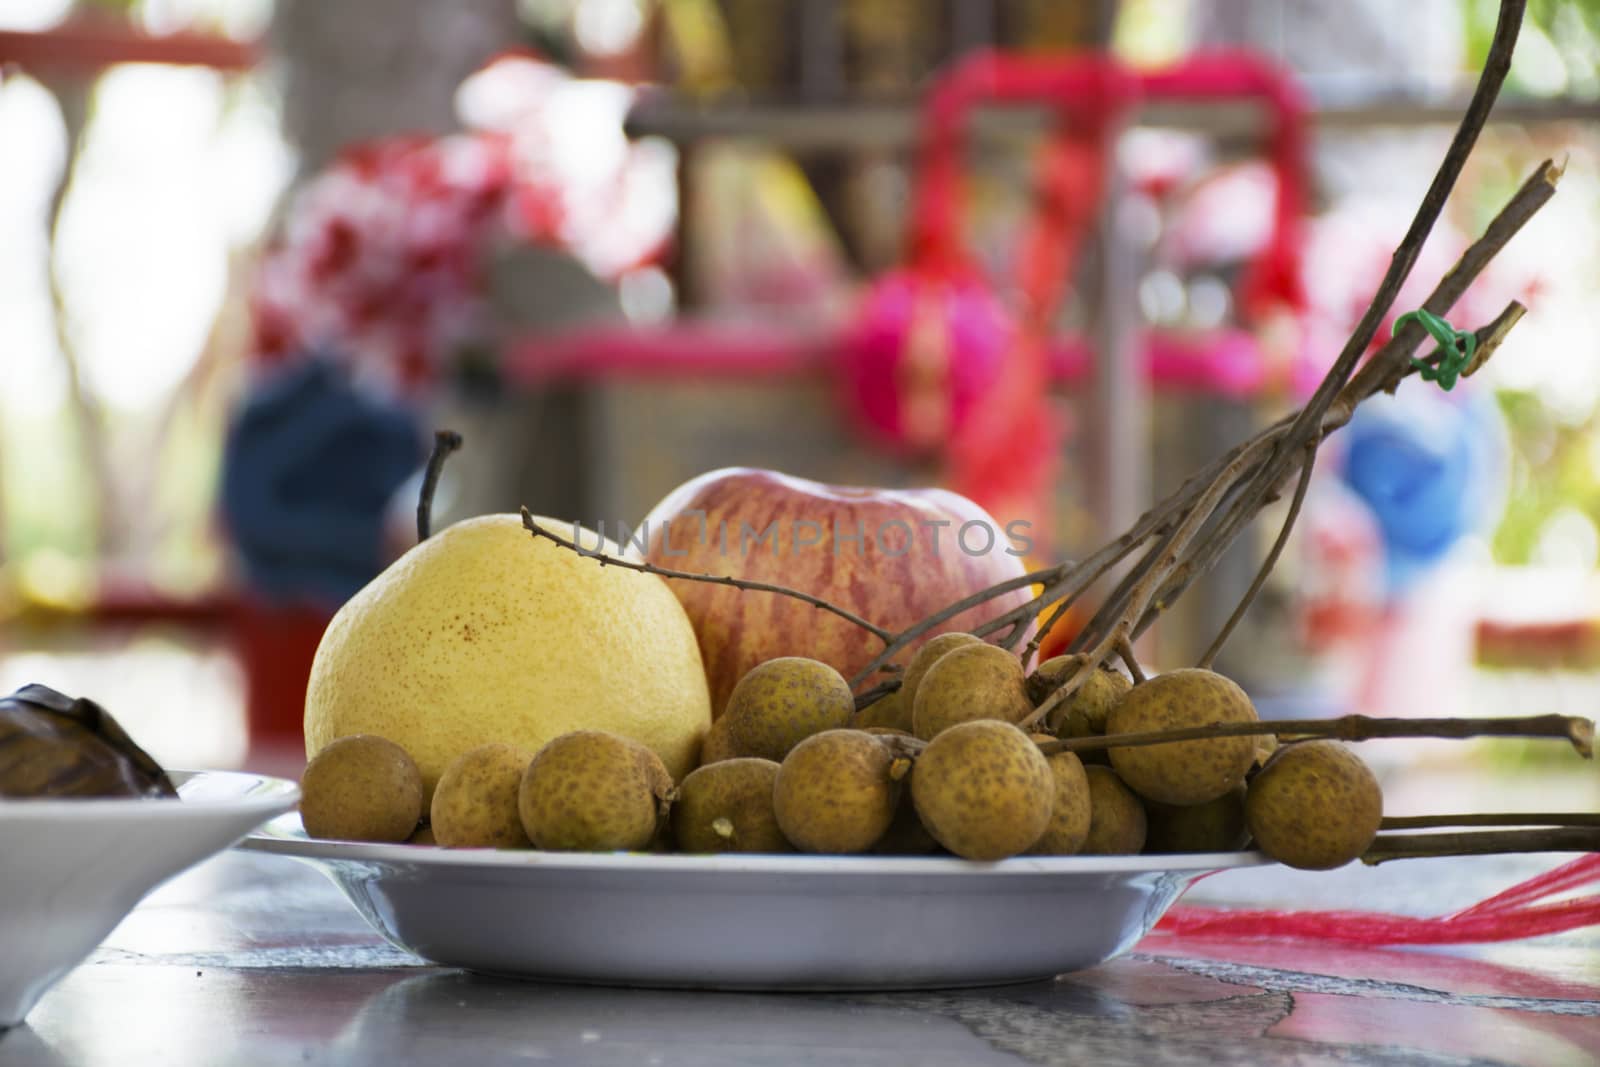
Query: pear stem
(444, 443)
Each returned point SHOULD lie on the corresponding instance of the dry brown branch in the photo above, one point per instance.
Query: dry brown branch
(1307, 465)
(605, 560)
(1579, 732)
(898, 642)
(1386, 847)
(1489, 339)
(1491, 818)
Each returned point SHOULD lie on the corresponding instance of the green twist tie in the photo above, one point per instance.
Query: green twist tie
(1456, 348)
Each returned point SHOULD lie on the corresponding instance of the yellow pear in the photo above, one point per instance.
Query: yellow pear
(484, 635)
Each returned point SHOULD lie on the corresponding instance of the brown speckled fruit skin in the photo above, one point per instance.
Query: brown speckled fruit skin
(1116, 816)
(983, 790)
(1215, 826)
(1085, 711)
(1183, 772)
(1069, 814)
(926, 656)
(361, 788)
(833, 793)
(782, 702)
(890, 712)
(970, 683)
(739, 790)
(1315, 806)
(590, 791)
(717, 746)
(475, 802)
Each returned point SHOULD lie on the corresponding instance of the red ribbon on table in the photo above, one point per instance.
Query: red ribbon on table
(1510, 915)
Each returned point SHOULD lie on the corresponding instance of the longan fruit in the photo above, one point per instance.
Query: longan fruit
(1215, 826)
(361, 788)
(475, 802)
(781, 702)
(975, 681)
(592, 791)
(1069, 812)
(1116, 815)
(983, 789)
(931, 652)
(1315, 805)
(890, 712)
(1183, 772)
(727, 807)
(716, 745)
(1084, 712)
(835, 793)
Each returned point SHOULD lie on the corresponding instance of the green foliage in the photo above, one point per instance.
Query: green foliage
(1572, 28)
(1552, 467)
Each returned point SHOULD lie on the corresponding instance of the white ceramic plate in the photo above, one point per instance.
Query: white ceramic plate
(751, 922)
(71, 869)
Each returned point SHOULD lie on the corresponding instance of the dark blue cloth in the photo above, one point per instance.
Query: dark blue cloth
(309, 468)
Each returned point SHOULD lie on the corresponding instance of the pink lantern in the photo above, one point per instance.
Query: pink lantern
(936, 364)
(921, 354)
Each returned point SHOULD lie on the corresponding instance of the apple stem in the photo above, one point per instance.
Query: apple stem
(643, 567)
(444, 443)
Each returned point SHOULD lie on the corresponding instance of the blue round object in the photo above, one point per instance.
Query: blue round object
(1431, 466)
(308, 470)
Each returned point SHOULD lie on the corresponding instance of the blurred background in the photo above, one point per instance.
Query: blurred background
(253, 251)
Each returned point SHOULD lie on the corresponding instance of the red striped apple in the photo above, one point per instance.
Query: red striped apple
(892, 556)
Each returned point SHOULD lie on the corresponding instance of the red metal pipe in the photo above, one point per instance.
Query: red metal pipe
(84, 46)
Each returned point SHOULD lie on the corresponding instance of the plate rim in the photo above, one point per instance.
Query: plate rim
(264, 839)
(262, 794)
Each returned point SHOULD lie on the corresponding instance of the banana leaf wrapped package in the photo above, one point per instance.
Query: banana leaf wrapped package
(52, 745)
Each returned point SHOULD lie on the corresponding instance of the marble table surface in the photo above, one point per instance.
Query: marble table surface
(258, 960)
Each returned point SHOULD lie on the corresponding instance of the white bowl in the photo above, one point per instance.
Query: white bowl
(751, 922)
(71, 869)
